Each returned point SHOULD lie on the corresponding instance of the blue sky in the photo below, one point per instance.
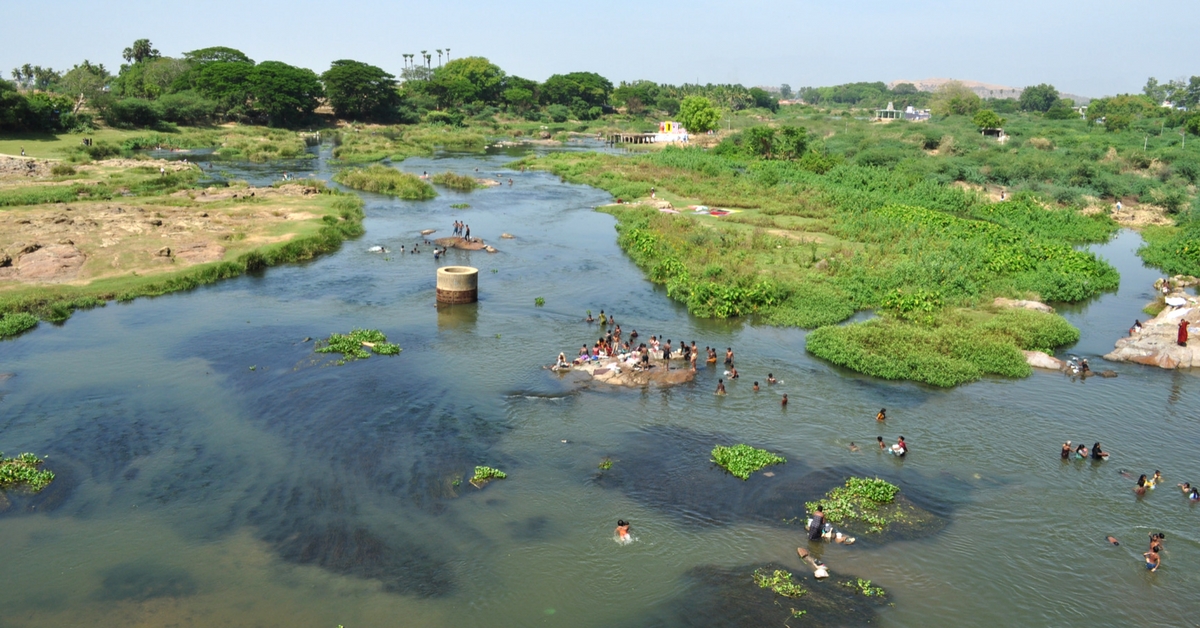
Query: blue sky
(1091, 48)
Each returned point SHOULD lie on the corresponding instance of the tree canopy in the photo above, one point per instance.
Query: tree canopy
(954, 98)
(698, 115)
(467, 80)
(987, 119)
(217, 53)
(285, 94)
(1038, 98)
(140, 51)
(589, 87)
(358, 91)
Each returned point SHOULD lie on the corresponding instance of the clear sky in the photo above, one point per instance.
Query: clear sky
(1090, 48)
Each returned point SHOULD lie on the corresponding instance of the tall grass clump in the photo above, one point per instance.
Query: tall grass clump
(16, 323)
(385, 180)
(456, 181)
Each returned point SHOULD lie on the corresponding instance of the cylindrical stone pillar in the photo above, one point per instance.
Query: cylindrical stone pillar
(457, 284)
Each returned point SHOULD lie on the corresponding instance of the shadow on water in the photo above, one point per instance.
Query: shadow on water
(670, 469)
(139, 582)
(728, 596)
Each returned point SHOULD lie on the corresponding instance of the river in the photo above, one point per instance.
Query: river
(213, 470)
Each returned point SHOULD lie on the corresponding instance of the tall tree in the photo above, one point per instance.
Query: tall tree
(1038, 98)
(285, 94)
(217, 53)
(466, 80)
(358, 91)
(954, 98)
(140, 51)
(698, 115)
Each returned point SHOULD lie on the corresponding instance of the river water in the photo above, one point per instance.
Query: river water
(213, 470)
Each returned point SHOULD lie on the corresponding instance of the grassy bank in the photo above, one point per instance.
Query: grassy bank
(807, 249)
(386, 180)
(231, 141)
(303, 227)
(376, 143)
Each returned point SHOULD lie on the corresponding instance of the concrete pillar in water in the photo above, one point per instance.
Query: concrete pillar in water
(457, 284)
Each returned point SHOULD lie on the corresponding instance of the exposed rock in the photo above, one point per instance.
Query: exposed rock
(164, 252)
(199, 252)
(5, 260)
(66, 241)
(822, 264)
(1156, 344)
(426, 232)
(1040, 360)
(57, 262)
(1028, 305)
(489, 249)
(507, 236)
(29, 248)
(156, 222)
(474, 244)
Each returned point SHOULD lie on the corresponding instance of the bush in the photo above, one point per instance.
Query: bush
(17, 323)
(385, 180)
(558, 113)
(187, 108)
(62, 170)
(131, 112)
(456, 181)
(448, 118)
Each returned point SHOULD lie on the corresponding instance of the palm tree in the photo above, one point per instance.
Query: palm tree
(439, 51)
(428, 58)
(424, 56)
(447, 55)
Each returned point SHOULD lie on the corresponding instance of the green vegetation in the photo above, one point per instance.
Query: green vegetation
(698, 115)
(460, 206)
(1176, 250)
(864, 587)
(742, 460)
(857, 500)
(386, 180)
(23, 471)
(456, 181)
(351, 345)
(779, 581)
(487, 474)
(946, 349)
(16, 323)
(606, 464)
(539, 301)
(400, 142)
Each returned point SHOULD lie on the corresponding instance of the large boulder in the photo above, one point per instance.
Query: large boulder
(1037, 306)
(1155, 344)
(1040, 360)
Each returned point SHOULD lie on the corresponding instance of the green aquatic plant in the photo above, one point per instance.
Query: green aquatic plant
(779, 581)
(351, 345)
(539, 301)
(606, 464)
(24, 471)
(857, 500)
(742, 460)
(864, 587)
(16, 323)
(460, 206)
(456, 181)
(487, 474)
(385, 180)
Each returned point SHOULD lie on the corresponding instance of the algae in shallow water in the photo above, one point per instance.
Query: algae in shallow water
(24, 471)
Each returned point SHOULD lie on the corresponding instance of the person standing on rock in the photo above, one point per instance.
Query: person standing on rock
(1182, 338)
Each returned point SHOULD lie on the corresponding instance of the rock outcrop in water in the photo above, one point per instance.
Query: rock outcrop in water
(1156, 344)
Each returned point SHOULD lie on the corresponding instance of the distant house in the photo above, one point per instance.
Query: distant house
(916, 115)
(670, 132)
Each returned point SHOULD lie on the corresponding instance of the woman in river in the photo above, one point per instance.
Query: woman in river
(816, 525)
(622, 532)
(1081, 452)
(1140, 489)
(882, 416)
(1182, 336)
(1097, 454)
(1066, 450)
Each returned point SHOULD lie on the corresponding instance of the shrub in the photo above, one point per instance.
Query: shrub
(385, 180)
(558, 113)
(131, 112)
(16, 323)
(456, 181)
(62, 170)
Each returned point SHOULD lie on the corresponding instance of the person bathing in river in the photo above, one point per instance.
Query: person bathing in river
(729, 356)
(900, 448)
(1153, 560)
(562, 361)
(733, 374)
(1137, 327)
(1155, 479)
(1140, 489)
(882, 416)
(633, 335)
(1066, 450)
(1185, 487)
(1097, 454)
(603, 318)
(622, 531)
(755, 386)
(882, 445)
(770, 378)
(783, 402)
(721, 389)
(589, 318)
(1081, 452)
(712, 356)
(816, 525)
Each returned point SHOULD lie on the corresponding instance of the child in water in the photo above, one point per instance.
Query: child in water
(621, 534)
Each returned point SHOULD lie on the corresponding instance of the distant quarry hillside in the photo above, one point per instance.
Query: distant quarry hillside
(985, 90)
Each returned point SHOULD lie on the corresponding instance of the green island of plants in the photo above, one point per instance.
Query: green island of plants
(605, 464)
(865, 588)
(742, 460)
(351, 345)
(382, 179)
(779, 581)
(484, 475)
(24, 471)
(456, 181)
(858, 500)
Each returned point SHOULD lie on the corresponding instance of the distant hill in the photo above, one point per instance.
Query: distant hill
(985, 90)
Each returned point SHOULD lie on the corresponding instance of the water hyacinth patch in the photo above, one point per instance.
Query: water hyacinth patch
(351, 345)
(779, 581)
(483, 475)
(24, 471)
(742, 460)
(856, 501)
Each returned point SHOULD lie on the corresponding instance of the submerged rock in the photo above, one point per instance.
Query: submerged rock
(1155, 344)
(728, 596)
(1036, 306)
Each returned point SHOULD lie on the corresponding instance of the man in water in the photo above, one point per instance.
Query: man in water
(622, 531)
(882, 446)
(755, 386)
(770, 378)
(817, 525)
(721, 388)
(1152, 560)
(783, 402)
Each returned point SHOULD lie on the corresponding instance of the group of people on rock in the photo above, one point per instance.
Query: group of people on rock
(462, 229)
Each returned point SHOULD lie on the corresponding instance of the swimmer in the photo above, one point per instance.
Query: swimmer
(622, 531)
(1140, 489)
(721, 388)
(755, 386)
(783, 402)
(1112, 540)
(882, 416)
(633, 334)
(1097, 454)
(733, 374)
(1156, 479)
(853, 447)
(770, 378)
(882, 447)
(1156, 539)
(589, 318)
(1195, 496)
(1185, 487)
(1152, 560)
